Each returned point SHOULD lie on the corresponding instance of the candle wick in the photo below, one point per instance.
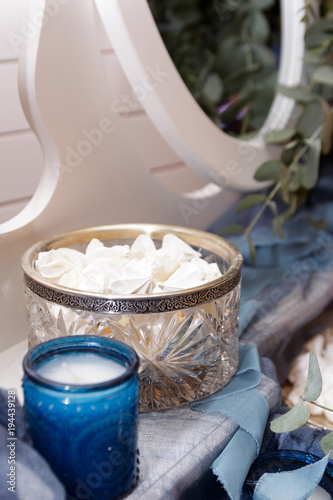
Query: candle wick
(66, 367)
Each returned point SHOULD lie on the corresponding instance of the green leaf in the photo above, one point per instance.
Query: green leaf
(228, 65)
(253, 251)
(263, 4)
(310, 119)
(257, 26)
(319, 224)
(212, 89)
(259, 107)
(262, 54)
(290, 150)
(319, 33)
(326, 444)
(234, 229)
(279, 136)
(297, 93)
(310, 169)
(242, 73)
(250, 201)
(323, 74)
(270, 170)
(313, 384)
(293, 419)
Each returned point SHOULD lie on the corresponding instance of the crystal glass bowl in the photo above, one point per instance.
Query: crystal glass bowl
(187, 341)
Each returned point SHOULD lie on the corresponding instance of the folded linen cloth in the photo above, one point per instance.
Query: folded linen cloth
(250, 410)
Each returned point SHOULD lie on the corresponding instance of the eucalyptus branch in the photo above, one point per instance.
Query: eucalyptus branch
(277, 186)
(304, 149)
(260, 212)
(320, 406)
(299, 414)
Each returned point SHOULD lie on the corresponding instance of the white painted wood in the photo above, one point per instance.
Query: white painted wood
(148, 142)
(21, 165)
(123, 100)
(150, 145)
(101, 180)
(179, 178)
(171, 107)
(12, 208)
(11, 20)
(17, 180)
(11, 116)
(104, 41)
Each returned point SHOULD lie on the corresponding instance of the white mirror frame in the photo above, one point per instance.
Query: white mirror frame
(212, 153)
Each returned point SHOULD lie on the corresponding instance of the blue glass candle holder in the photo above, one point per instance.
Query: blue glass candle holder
(86, 432)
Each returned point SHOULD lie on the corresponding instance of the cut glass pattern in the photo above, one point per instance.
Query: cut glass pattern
(184, 355)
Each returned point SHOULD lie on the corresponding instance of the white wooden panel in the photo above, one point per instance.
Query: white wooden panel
(178, 178)
(11, 116)
(150, 145)
(103, 39)
(12, 13)
(8, 210)
(20, 167)
(123, 99)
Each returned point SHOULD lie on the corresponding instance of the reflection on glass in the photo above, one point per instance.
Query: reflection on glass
(227, 53)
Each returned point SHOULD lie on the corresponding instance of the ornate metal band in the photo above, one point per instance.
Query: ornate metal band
(132, 305)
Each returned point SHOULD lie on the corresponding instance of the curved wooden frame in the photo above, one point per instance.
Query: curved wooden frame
(212, 153)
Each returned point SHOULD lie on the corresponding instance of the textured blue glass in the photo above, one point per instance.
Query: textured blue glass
(88, 434)
(283, 460)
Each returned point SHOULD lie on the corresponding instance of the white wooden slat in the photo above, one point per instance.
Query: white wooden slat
(123, 99)
(8, 210)
(103, 39)
(150, 145)
(11, 17)
(178, 178)
(11, 116)
(21, 165)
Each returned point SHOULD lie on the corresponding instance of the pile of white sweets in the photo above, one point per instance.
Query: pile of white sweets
(122, 269)
(322, 345)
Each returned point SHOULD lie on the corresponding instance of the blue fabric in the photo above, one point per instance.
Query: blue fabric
(298, 484)
(303, 250)
(282, 265)
(235, 400)
(228, 467)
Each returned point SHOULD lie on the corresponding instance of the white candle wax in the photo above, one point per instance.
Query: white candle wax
(81, 368)
(319, 494)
